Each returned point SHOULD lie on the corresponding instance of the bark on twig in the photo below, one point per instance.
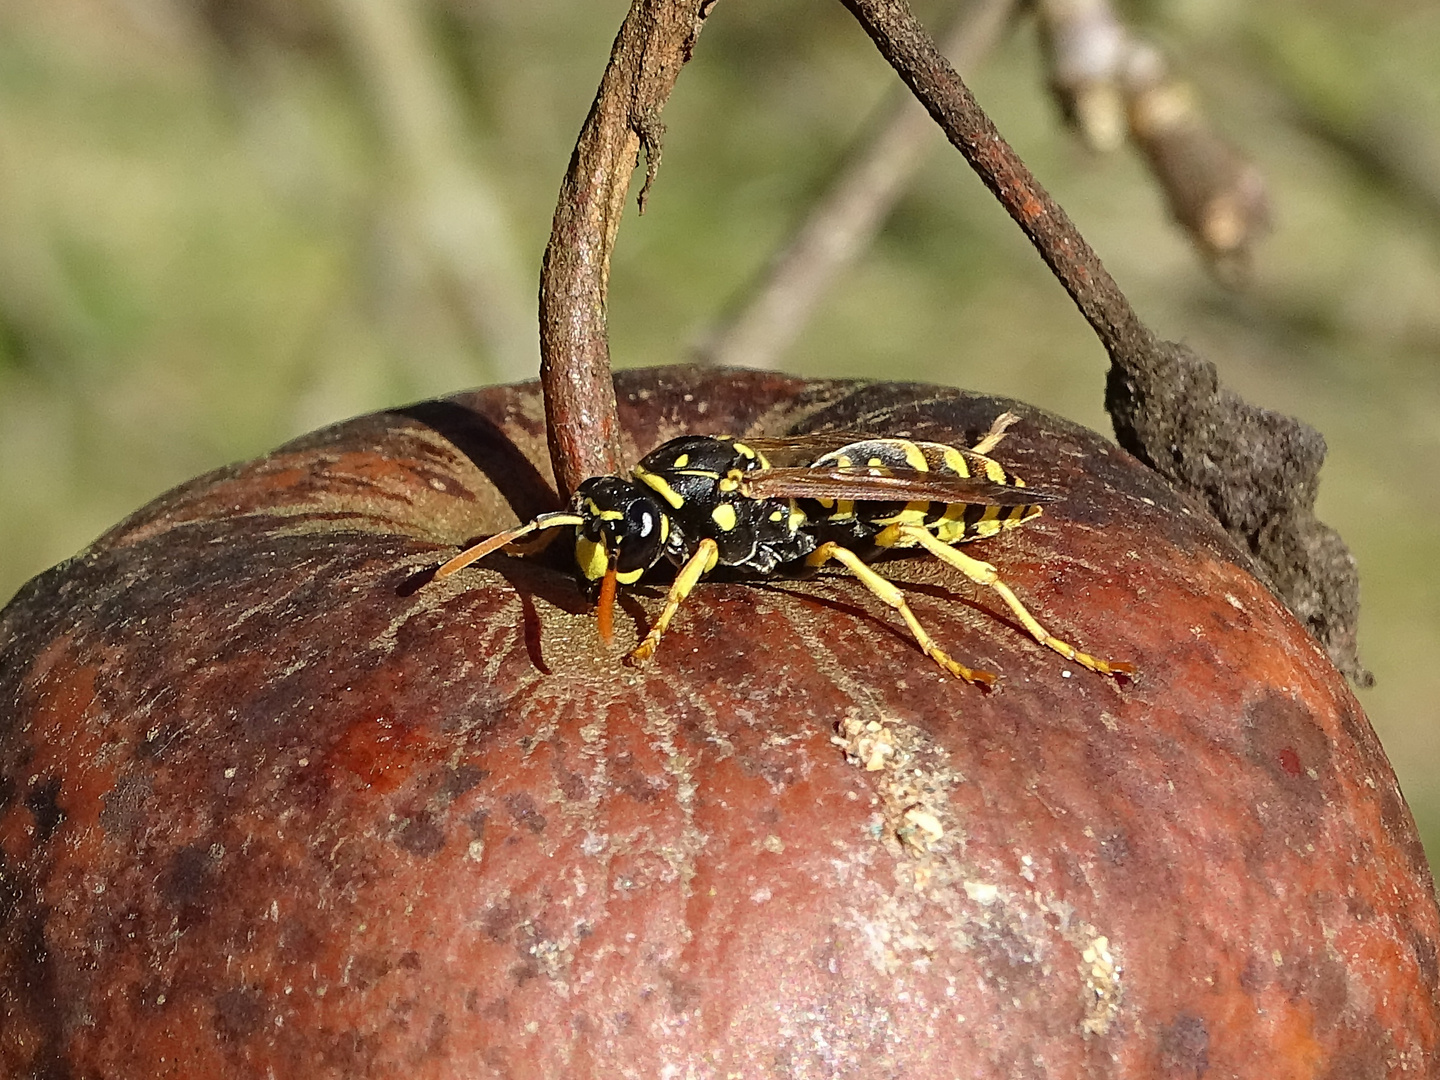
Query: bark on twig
(779, 303)
(1256, 470)
(654, 42)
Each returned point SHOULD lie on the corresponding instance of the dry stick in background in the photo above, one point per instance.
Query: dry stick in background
(757, 331)
(654, 42)
(1256, 470)
(1104, 79)
(1108, 81)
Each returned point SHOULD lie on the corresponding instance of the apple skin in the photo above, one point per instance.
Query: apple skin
(274, 805)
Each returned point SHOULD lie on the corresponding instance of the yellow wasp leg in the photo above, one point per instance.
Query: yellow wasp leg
(891, 594)
(982, 573)
(997, 432)
(701, 563)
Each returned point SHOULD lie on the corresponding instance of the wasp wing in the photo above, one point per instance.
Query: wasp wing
(867, 484)
(796, 451)
(786, 451)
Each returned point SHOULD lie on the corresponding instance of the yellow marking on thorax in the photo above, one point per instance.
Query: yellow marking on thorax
(750, 452)
(724, 516)
(659, 485)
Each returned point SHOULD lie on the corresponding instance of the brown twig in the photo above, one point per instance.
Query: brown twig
(1216, 193)
(1256, 470)
(779, 302)
(914, 56)
(654, 42)
(1085, 45)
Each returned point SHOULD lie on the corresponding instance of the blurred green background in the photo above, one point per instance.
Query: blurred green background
(225, 222)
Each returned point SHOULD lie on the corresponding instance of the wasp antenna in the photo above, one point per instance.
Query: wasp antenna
(605, 613)
(499, 540)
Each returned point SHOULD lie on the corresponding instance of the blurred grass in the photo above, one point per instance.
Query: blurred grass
(223, 224)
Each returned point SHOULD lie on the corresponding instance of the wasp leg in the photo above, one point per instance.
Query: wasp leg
(887, 591)
(992, 438)
(699, 564)
(982, 573)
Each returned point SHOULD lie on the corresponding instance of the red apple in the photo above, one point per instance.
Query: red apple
(274, 806)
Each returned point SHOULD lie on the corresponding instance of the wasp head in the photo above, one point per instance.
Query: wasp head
(625, 527)
(622, 533)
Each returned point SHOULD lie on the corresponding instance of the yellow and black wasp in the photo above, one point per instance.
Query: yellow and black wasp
(704, 501)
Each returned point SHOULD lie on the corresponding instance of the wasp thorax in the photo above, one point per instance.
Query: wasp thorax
(623, 522)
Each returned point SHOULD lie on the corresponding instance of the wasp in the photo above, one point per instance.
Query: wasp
(788, 505)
